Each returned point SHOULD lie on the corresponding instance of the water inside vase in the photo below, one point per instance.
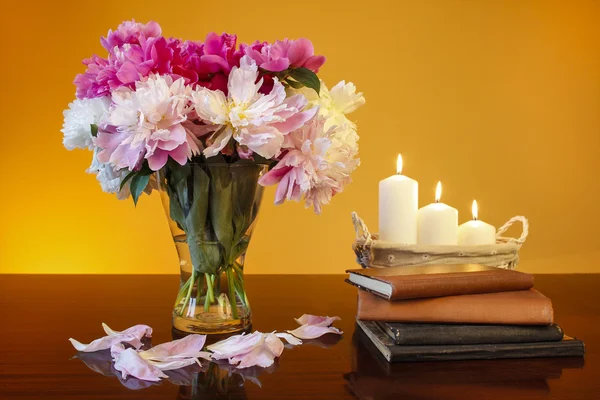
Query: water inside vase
(197, 315)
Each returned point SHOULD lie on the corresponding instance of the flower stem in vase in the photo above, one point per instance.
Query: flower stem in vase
(199, 288)
(231, 287)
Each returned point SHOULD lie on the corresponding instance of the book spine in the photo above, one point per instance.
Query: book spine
(527, 307)
(404, 288)
(441, 334)
(570, 348)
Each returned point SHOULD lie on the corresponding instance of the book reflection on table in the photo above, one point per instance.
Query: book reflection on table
(373, 378)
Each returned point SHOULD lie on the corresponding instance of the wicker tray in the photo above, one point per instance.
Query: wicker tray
(374, 253)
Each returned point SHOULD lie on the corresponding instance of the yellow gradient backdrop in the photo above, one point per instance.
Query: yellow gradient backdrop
(500, 100)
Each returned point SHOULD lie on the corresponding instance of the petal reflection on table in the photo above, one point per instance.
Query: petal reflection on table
(373, 378)
(209, 380)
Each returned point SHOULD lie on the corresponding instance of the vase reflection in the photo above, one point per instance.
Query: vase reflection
(219, 380)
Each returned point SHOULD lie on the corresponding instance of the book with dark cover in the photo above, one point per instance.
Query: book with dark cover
(523, 307)
(414, 282)
(568, 347)
(367, 360)
(373, 378)
(450, 334)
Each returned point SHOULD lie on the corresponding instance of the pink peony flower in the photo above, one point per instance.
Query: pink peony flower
(132, 55)
(207, 64)
(125, 65)
(130, 32)
(284, 54)
(137, 50)
(148, 123)
(95, 81)
(316, 164)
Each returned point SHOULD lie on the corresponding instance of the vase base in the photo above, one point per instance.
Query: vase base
(188, 326)
(211, 337)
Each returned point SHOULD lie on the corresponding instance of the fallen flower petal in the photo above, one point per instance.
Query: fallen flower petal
(256, 349)
(131, 336)
(289, 338)
(260, 356)
(313, 331)
(163, 357)
(174, 364)
(136, 329)
(317, 320)
(186, 347)
(129, 362)
(116, 349)
(274, 344)
(235, 345)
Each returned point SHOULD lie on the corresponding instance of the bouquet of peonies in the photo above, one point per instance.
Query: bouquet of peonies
(155, 100)
(216, 122)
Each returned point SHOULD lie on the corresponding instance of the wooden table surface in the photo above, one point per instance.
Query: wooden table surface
(40, 312)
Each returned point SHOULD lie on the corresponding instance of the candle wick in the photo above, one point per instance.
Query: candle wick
(437, 200)
(474, 218)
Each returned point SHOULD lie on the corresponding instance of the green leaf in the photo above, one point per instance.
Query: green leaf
(175, 210)
(138, 184)
(145, 170)
(306, 77)
(94, 129)
(245, 183)
(205, 256)
(294, 84)
(220, 207)
(198, 209)
(127, 177)
(204, 249)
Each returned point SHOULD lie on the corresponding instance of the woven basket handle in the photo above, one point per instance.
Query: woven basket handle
(508, 224)
(362, 232)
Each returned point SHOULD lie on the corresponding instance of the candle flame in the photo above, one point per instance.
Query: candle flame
(399, 164)
(438, 192)
(474, 210)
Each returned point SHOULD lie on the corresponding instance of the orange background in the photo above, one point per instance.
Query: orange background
(500, 100)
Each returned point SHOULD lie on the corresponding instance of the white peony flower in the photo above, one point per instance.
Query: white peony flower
(253, 119)
(334, 104)
(110, 180)
(78, 119)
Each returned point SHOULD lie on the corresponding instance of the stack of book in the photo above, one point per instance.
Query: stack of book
(457, 312)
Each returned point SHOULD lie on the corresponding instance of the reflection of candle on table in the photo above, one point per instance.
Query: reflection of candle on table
(476, 231)
(398, 204)
(437, 223)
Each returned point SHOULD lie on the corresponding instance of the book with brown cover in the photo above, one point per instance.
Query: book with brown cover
(412, 282)
(523, 307)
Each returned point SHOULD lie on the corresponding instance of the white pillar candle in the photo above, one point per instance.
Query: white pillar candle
(437, 223)
(398, 205)
(475, 231)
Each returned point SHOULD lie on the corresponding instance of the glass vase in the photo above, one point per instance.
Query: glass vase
(211, 209)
